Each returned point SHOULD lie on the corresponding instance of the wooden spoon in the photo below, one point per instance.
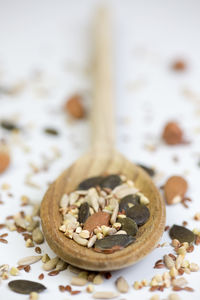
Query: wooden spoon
(101, 159)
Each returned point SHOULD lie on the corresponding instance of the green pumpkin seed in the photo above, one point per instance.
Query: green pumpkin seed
(128, 225)
(26, 286)
(83, 213)
(110, 241)
(8, 125)
(181, 234)
(150, 171)
(51, 131)
(128, 200)
(111, 181)
(89, 183)
(139, 213)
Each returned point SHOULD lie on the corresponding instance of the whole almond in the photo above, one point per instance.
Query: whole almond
(175, 189)
(4, 158)
(74, 107)
(97, 219)
(172, 134)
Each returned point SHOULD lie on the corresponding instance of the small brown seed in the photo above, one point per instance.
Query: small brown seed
(122, 285)
(53, 273)
(41, 276)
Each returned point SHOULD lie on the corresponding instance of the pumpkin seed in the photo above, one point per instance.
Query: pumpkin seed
(127, 201)
(128, 225)
(26, 286)
(111, 181)
(89, 183)
(181, 234)
(110, 241)
(51, 131)
(8, 125)
(150, 171)
(139, 213)
(83, 213)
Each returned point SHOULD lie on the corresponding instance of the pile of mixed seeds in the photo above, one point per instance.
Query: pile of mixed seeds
(104, 213)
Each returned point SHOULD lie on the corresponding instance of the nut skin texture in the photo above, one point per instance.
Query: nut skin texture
(74, 107)
(97, 219)
(175, 186)
(4, 160)
(172, 134)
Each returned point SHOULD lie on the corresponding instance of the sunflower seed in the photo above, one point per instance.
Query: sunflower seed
(51, 264)
(105, 295)
(61, 265)
(180, 282)
(122, 285)
(114, 214)
(139, 213)
(29, 260)
(64, 201)
(38, 237)
(92, 241)
(78, 281)
(26, 286)
(169, 262)
(79, 240)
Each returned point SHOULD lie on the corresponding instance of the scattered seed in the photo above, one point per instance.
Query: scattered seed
(182, 234)
(75, 292)
(68, 288)
(105, 295)
(38, 237)
(38, 250)
(92, 241)
(180, 282)
(29, 260)
(4, 241)
(51, 131)
(79, 240)
(53, 273)
(169, 262)
(122, 285)
(14, 271)
(74, 107)
(33, 296)
(172, 134)
(25, 286)
(61, 265)
(173, 297)
(78, 281)
(41, 276)
(8, 125)
(51, 264)
(98, 279)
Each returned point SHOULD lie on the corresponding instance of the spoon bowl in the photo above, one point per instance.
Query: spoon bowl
(94, 164)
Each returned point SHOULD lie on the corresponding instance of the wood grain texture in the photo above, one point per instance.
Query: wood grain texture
(100, 160)
(92, 164)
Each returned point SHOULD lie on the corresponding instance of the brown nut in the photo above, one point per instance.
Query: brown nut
(175, 189)
(4, 158)
(172, 134)
(74, 107)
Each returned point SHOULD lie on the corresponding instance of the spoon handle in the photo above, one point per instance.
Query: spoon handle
(102, 108)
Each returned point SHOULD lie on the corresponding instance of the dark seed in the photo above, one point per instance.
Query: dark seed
(110, 241)
(182, 234)
(51, 131)
(8, 125)
(139, 213)
(83, 213)
(128, 225)
(110, 181)
(25, 286)
(89, 183)
(150, 171)
(124, 202)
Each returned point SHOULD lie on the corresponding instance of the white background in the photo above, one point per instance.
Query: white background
(53, 39)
